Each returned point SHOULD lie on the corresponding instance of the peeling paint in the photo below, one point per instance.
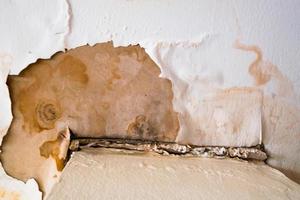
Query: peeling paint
(197, 57)
(96, 92)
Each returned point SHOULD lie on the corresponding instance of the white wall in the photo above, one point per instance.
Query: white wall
(195, 44)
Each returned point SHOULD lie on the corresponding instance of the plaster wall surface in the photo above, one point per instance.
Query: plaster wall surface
(112, 174)
(243, 52)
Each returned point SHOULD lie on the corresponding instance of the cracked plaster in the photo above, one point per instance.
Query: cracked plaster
(192, 42)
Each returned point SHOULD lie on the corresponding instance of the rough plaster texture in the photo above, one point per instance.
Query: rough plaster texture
(203, 47)
(131, 175)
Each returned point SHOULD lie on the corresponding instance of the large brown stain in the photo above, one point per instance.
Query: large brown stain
(36, 93)
(98, 91)
(102, 88)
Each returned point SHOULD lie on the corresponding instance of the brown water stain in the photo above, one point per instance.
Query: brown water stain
(257, 69)
(36, 93)
(72, 69)
(47, 112)
(263, 71)
(54, 149)
(90, 83)
(97, 92)
(141, 128)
